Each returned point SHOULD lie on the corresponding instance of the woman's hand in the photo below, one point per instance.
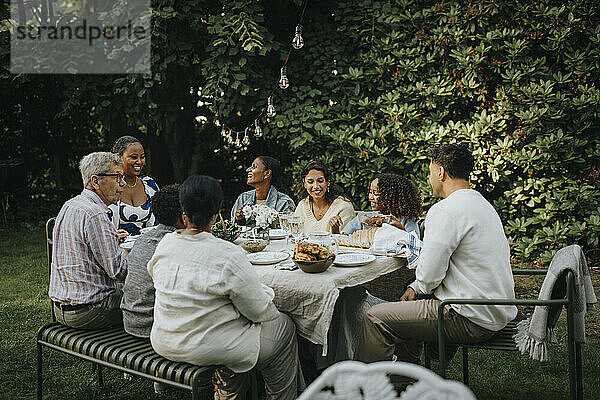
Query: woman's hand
(395, 222)
(122, 235)
(335, 223)
(239, 216)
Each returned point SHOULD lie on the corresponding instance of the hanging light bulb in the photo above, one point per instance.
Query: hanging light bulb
(200, 103)
(334, 70)
(217, 122)
(257, 131)
(246, 140)
(297, 41)
(223, 132)
(229, 138)
(284, 82)
(270, 109)
(237, 143)
(191, 90)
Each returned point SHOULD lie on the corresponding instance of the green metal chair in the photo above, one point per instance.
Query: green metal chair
(503, 340)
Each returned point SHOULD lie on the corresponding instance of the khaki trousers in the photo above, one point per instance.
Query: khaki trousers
(402, 325)
(278, 363)
(102, 315)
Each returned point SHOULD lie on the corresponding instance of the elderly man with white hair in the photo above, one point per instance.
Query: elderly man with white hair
(87, 260)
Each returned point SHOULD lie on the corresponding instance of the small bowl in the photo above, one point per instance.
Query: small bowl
(314, 267)
(254, 245)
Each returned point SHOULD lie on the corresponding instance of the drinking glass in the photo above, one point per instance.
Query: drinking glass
(283, 221)
(296, 226)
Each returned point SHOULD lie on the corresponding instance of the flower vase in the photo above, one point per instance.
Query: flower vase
(261, 234)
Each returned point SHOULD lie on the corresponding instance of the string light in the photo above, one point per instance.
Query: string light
(246, 140)
(257, 131)
(270, 108)
(334, 70)
(269, 112)
(297, 41)
(284, 82)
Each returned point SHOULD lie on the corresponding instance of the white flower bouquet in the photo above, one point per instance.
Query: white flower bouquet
(260, 216)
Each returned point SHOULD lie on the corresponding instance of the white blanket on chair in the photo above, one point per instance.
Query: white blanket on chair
(533, 332)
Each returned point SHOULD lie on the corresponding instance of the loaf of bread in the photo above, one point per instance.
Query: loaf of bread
(362, 238)
(316, 250)
(300, 256)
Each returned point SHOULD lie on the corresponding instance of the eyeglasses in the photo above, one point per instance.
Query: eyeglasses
(119, 177)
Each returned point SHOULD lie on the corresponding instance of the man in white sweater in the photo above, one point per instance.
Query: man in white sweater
(465, 254)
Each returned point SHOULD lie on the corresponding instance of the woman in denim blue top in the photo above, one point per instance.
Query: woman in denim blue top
(261, 174)
(394, 195)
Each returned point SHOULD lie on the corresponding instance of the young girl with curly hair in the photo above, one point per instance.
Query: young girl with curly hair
(393, 195)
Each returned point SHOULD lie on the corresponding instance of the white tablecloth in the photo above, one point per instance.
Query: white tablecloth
(309, 299)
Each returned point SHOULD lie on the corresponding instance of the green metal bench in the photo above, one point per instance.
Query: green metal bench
(117, 349)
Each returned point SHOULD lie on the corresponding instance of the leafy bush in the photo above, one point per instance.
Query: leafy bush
(517, 81)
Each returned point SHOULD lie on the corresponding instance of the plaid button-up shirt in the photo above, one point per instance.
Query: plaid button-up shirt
(86, 258)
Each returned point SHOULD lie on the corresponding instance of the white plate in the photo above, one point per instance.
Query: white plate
(277, 234)
(353, 259)
(127, 245)
(267, 257)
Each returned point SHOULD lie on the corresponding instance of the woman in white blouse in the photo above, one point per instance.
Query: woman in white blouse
(210, 307)
(324, 207)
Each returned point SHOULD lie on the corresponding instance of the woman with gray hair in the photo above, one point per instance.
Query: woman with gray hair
(133, 210)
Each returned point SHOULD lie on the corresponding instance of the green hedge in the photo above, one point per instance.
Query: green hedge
(517, 81)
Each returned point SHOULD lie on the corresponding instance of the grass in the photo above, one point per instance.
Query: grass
(24, 307)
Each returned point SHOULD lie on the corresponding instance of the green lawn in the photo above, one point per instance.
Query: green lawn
(24, 306)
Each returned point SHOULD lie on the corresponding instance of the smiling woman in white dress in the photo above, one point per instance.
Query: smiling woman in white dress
(133, 211)
(324, 207)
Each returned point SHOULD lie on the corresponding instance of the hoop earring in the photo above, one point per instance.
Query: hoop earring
(327, 188)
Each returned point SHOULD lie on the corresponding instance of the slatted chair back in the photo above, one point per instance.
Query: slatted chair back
(355, 380)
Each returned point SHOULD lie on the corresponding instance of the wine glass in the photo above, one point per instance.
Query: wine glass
(283, 221)
(296, 225)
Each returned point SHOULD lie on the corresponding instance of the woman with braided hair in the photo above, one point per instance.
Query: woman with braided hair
(393, 195)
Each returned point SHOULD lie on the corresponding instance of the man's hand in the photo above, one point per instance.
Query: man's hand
(409, 295)
(122, 235)
(239, 216)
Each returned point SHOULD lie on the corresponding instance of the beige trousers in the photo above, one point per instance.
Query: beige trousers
(402, 325)
(103, 315)
(278, 363)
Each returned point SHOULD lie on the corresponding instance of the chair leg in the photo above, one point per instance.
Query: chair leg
(100, 378)
(254, 384)
(578, 371)
(465, 363)
(39, 371)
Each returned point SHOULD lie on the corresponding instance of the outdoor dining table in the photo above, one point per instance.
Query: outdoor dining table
(310, 299)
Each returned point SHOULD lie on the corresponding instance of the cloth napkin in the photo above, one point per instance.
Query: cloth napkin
(399, 241)
(533, 332)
